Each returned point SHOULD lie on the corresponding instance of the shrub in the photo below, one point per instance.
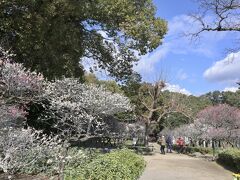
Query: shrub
(201, 150)
(27, 151)
(190, 149)
(230, 158)
(123, 164)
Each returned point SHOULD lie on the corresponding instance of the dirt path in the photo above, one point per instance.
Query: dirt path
(182, 167)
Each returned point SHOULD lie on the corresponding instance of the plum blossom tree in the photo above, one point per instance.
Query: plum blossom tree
(214, 123)
(188, 130)
(23, 148)
(219, 122)
(78, 110)
(79, 107)
(19, 83)
(18, 87)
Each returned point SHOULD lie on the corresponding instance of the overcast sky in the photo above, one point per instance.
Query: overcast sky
(191, 67)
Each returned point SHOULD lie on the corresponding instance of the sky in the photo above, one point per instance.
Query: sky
(191, 67)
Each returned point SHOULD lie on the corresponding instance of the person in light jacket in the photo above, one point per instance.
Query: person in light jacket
(162, 143)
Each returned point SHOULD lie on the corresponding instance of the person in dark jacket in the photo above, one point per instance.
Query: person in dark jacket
(169, 142)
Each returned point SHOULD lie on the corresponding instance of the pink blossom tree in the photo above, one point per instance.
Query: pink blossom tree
(214, 123)
(18, 87)
(219, 122)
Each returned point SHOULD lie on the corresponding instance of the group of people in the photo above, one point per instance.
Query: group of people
(167, 142)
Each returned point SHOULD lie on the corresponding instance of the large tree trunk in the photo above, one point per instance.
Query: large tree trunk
(154, 92)
(147, 124)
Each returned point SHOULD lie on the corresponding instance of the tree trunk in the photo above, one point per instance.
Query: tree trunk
(146, 133)
(214, 149)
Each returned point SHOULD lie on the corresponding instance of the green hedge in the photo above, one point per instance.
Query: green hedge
(230, 158)
(121, 164)
(201, 150)
(190, 150)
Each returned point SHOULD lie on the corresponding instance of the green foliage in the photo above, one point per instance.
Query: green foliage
(201, 150)
(53, 36)
(197, 103)
(192, 105)
(110, 85)
(215, 97)
(230, 158)
(174, 120)
(90, 78)
(230, 98)
(132, 85)
(131, 90)
(191, 150)
(121, 164)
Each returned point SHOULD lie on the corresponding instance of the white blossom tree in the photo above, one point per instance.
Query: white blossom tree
(79, 107)
(20, 148)
(23, 148)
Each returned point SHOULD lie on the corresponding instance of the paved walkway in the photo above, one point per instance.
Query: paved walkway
(182, 167)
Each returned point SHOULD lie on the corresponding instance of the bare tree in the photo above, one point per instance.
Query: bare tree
(217, 15)
(154, 92)
(154, 105)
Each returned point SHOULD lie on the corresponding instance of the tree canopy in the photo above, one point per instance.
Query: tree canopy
(217, 97)
(53, 37)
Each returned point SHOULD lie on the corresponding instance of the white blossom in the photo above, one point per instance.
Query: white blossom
(80, 106)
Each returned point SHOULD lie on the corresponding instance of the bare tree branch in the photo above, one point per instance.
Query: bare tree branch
(224, 14)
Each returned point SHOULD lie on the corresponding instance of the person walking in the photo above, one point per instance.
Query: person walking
(180, 144)
(162, 142)
(169, 142)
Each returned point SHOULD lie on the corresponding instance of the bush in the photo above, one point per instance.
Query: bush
(230, 158)
(190, 149)
(49, 165)
(201, 150)
(27, 151)
(121, 164)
